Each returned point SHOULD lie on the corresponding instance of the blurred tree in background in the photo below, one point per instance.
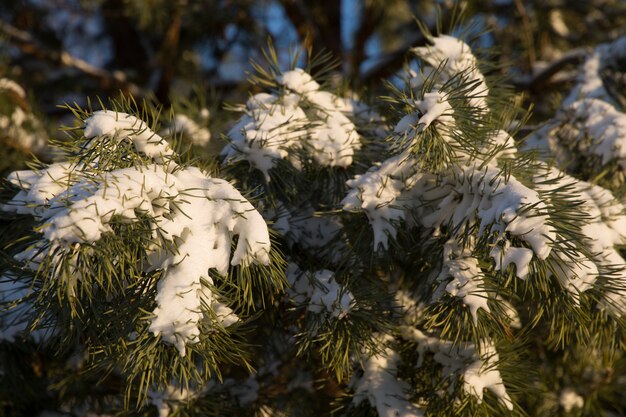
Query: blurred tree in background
(66, 50)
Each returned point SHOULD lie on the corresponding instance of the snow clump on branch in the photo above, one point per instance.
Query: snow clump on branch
(320, 291)
(193, 219)
(302, 117)
(477, 365)
(454, 57)
(381, 387)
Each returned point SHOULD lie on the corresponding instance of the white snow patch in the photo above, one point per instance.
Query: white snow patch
(498, 206)
(169, 400)
(197, 214)
(302, 117)
(320, 291)
(605, 126)
(39, 187)
(570, 399)
(333, 138)
(23, 130)
(590, 84)
(434, 106)
(381, 387)
(477, 365)
(10, 85)
(467, 278)
(379, 192)
(122, 126)
(198, 135)
(266, 132)
(298, 81)
(603, 231)
(454, 57)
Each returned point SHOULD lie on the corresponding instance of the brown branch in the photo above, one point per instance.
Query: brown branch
(327, 18)
(370, 19)
(27, 44)
(318, 24)
(541, 78)
(168, 56)
(528, 32)
(307, 31)
(390, 62)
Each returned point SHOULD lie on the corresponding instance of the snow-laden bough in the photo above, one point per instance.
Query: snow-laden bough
(193, 219)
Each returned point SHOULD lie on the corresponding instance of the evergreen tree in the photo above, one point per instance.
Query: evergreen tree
(414, 254)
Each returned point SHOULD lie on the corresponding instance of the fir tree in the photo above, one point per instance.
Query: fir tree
(414, 254)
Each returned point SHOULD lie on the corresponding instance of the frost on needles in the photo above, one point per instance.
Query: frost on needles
(192, 219)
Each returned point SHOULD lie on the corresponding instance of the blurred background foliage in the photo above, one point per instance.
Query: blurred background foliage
(66, 50)
(194, 56)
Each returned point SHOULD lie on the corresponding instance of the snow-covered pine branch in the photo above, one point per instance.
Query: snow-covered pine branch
(476, 365)
(297, 115)
(193, 220)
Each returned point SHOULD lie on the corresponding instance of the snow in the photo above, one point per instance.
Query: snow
(511, 313)
(301, 117)
(434, 106)
(603, 231)
(320, 292)
(590, 121)
(193, 218)
(482, 374)
(502, 145)
(38, 188)
(590, 84)
(266, 132)
(121, 126)
(454, 57)
(465, 196)
(477, 365)
(197, 134)
(23, 130)
(213, 213)
(569, 400)
(332, 138)
(505, 255)
(497, 206)
(10, 85)
(381, 387)
(377, 192)
(457, 54)
(389, 189)
(168, 401)
(511, 213)
(472, 191)
(467, 278)
(605, 126)
(298, 81)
